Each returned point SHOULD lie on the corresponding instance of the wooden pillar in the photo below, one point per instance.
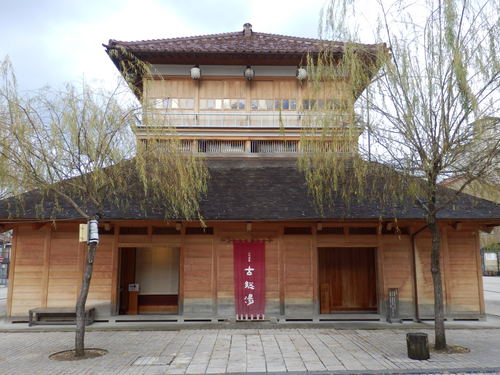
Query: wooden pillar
(46, 265)
(214, 274)
(445, 267)
(314, 273)
(180, 298)
(477, 250)
(281, 271)
(115, 261)
(133, 303)
(379, 275)
(12, 267)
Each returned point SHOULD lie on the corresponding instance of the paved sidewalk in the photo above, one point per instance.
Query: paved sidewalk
(236, 351)
(492, 294)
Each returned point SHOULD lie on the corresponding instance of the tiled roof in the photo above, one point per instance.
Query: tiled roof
(261, 189)
(239, 42)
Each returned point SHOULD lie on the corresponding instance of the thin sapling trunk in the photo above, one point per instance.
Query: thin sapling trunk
(84, 291)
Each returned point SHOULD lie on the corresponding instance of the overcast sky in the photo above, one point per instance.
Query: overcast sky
(54, 41)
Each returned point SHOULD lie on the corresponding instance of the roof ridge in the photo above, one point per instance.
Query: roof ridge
(179, 38)
(232, 33)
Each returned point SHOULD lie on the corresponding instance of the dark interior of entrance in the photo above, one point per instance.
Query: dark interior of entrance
(149, 280)
(347, 279)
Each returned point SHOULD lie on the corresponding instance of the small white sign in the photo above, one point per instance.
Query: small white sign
(84, 233)
(133, 287)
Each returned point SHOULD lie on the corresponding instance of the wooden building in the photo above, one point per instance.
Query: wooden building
(241, 99)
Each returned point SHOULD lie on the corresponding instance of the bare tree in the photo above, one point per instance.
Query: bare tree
(76, 147)
(431, 112)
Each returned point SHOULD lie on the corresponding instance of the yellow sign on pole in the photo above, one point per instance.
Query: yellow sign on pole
(84, 233)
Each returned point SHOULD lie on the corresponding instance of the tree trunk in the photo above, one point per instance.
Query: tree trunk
(440, 334)
(82, 299)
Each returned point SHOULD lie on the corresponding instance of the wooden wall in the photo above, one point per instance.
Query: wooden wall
(47, 265)
(395, 259)
(47, 269)
(213, 87)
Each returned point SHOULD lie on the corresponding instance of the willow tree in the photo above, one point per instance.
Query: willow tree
(75, 147)
(431, 111)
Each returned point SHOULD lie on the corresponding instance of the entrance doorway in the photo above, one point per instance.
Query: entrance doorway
(347, 279)
(149, 280)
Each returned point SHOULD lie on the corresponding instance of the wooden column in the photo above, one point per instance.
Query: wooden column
(445, 270)
(46, 265)
(477, 249)
(281, 271)
(133, 303)
(214, 274)
(314, 273)
(379, 272)
(12, 267)
(180, 298)
(115, 261)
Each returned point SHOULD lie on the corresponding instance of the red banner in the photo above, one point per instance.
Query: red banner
(249, 279)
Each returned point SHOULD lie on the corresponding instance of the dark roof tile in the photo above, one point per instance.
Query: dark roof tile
(236, 43)
(262, 189)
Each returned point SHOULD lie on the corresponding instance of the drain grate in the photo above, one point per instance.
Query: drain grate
(153, 361)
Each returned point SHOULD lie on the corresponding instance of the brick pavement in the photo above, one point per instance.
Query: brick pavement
(236, 351)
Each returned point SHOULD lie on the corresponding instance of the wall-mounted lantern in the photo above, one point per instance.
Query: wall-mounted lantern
(195, 72)
(249, 73)
(301, 74)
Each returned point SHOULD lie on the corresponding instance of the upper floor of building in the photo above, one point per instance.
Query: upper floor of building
(241, 92)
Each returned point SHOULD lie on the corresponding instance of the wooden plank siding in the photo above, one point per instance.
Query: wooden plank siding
(464, 293)
(298, 275)
(47, 266)
(198, 275)
(396, 259)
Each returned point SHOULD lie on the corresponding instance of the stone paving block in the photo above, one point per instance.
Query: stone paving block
(221, 351)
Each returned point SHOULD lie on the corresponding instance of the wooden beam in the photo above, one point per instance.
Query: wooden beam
(6, 227)
(38, 226)
(486, 228)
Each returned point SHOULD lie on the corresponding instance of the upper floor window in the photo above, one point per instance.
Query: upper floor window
(262, 104)
(221, 104)
(285, 104)
(172, 103)
(313, 104)
(274, 105)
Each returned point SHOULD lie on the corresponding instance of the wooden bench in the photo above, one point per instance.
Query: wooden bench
(48, 315)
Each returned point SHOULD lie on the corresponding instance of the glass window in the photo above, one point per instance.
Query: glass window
(156, 103)
(490, 256)
(285, 104)
(220, 104)
(186, 103)
(172, 103)
(263, 104)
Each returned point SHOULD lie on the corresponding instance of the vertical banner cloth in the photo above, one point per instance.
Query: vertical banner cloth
(249, 279)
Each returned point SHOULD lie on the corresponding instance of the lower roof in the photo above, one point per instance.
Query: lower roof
(257, 189)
